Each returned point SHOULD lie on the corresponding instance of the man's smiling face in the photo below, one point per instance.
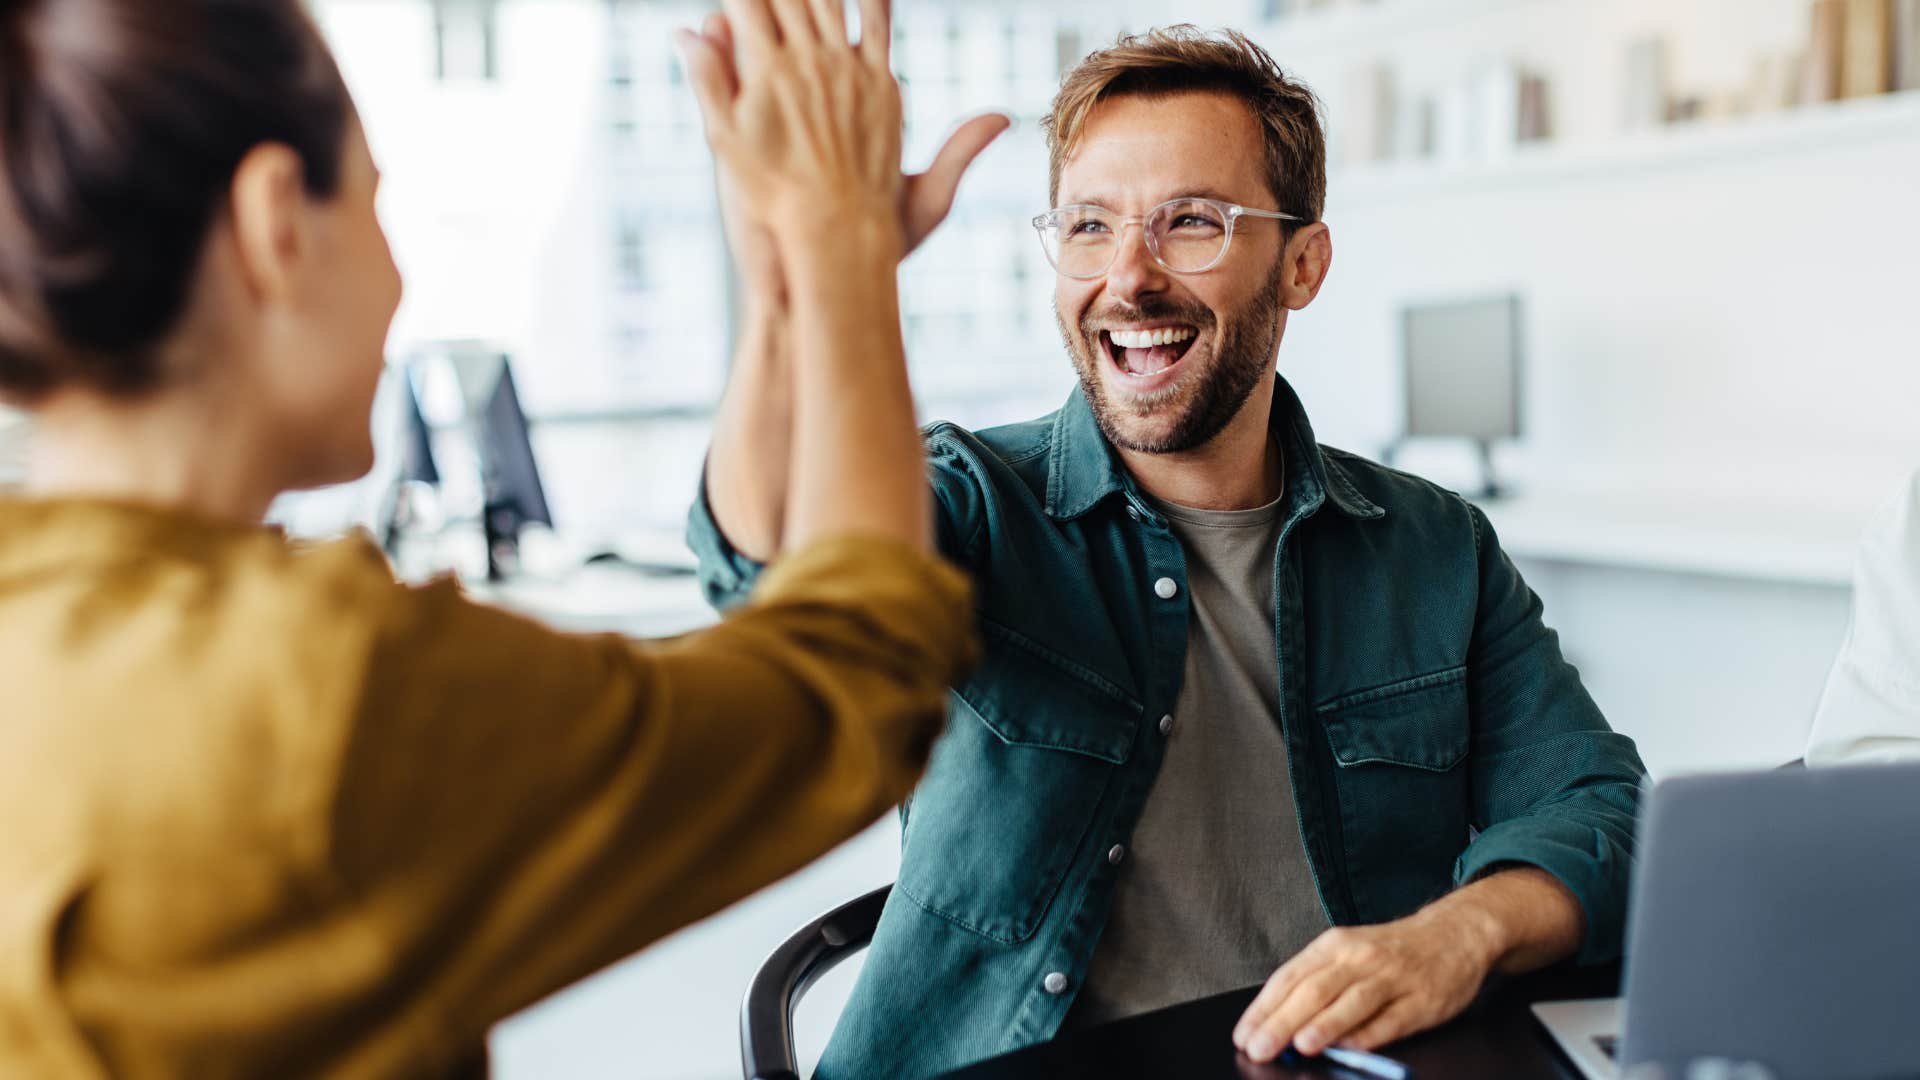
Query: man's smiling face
(1168, 359)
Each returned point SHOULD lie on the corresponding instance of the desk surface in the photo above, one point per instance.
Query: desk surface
(1498, 1036)
(610, 599)
(1760, 542)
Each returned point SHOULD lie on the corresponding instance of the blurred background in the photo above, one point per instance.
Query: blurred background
(1652, 263)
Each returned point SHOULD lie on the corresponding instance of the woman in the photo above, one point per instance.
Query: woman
(266, 812)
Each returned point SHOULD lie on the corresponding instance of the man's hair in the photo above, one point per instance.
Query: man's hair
(1179, 59)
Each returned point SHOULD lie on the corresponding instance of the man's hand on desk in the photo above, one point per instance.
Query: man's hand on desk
(1366, 986)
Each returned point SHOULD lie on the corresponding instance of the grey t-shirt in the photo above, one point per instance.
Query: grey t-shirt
(1215, 892)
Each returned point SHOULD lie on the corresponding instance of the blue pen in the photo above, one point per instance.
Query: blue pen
(1358, 1060)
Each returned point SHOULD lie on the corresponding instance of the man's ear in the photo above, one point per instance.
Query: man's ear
(268, 204)
(1308, 257)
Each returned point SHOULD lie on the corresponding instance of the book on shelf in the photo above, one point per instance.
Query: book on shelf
(1496, 104)
(1826, 48)
(1369, 130)
(1775, 80)
(1647, 82)
(1866, 66)
(1906, 45)
(1535, 120)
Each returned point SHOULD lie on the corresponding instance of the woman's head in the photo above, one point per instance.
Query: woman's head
(186, 208)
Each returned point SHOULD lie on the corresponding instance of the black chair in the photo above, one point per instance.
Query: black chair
(766, 1017)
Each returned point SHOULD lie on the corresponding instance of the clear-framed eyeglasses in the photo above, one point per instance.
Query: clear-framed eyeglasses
(1187, 236)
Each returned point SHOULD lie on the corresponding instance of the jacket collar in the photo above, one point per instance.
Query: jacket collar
(1083, 469)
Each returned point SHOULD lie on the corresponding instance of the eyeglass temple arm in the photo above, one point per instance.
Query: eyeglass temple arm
(1248, 211)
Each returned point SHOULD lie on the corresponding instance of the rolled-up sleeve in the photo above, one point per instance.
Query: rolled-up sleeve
(726, 576)
(959, 516)
(1553, 785)
(520, 807)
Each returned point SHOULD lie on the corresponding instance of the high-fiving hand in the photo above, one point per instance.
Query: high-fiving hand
(814, 127)
(714, 62)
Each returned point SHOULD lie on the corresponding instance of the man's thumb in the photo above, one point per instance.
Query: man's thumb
(930, 194)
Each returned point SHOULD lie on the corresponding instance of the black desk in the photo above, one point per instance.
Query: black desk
(1497, 1037)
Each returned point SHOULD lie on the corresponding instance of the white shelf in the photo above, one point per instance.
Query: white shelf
(1812, 128)
(1371, 24)
(1775, 542)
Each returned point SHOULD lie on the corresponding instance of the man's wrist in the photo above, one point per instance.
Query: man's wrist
(1473, 922)
(762, 318)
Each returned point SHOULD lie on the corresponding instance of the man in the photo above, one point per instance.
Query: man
(1870, 709)
(1240, 690)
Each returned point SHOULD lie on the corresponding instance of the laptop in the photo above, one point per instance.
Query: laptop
(1775, 919)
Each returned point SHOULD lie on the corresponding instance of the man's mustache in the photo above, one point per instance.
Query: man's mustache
(1194, 315)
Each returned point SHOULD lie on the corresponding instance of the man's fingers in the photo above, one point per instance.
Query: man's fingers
(1318, 954)
(710, 77)
(1277, 987)
(718, 30)
(876, 32)
(753, 25)
(929, 195)
(831, 17)
(796, 21)
(1313, 994)
(1395, 1022)
(1355, 1006)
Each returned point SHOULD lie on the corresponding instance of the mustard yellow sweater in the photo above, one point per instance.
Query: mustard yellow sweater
(264, 812)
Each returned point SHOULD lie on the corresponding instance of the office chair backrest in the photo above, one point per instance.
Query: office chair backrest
(766, 1016)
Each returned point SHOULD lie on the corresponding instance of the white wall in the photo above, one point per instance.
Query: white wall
(1718, 324)
(1706, 308)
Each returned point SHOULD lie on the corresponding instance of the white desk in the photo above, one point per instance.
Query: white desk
(1777, 542)
(605, 599)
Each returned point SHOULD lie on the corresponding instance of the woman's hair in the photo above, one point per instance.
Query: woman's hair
(121, 125)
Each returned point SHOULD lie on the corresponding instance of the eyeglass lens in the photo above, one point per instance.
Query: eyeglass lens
(1185, 235)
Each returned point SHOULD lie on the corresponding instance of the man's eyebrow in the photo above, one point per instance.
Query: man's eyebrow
(1109, 200)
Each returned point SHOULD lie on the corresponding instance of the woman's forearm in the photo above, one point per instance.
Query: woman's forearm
(857, 457)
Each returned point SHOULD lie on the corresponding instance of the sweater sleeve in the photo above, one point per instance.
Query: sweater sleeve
(519, 807)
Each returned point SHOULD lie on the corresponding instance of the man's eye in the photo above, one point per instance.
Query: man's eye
(1195, 221)
(1081, 228)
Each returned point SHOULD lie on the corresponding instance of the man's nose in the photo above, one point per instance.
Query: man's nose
(1135, 272)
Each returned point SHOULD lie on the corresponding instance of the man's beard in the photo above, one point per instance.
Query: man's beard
(1247, 347)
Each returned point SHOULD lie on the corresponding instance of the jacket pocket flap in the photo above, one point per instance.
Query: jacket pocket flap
(1032, 695)
(1420, 723)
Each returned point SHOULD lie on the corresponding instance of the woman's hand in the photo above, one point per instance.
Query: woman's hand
(924, 198)
(810, 140)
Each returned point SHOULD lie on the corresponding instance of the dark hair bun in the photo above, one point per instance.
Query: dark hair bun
(121, 125)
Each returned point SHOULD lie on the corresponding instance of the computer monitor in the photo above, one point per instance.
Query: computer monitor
(417, 464)
(510, 477)
(413, 447)
(1461, 361)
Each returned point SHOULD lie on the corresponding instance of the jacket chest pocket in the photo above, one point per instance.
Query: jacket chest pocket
(1404, 792)
(1032, 745)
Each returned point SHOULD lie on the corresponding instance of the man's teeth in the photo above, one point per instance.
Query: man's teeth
(1147, 339)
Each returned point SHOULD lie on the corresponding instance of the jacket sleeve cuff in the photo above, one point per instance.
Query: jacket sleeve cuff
(1594, 865)
(726, 576)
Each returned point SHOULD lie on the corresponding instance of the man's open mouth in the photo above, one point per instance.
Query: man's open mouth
(1146, 353)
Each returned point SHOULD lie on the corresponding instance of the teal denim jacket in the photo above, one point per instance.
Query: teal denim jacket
(1433, 728)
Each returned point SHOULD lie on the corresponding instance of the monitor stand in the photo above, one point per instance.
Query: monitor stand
(500, 523)
(1489, 482)
(1490, 486)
